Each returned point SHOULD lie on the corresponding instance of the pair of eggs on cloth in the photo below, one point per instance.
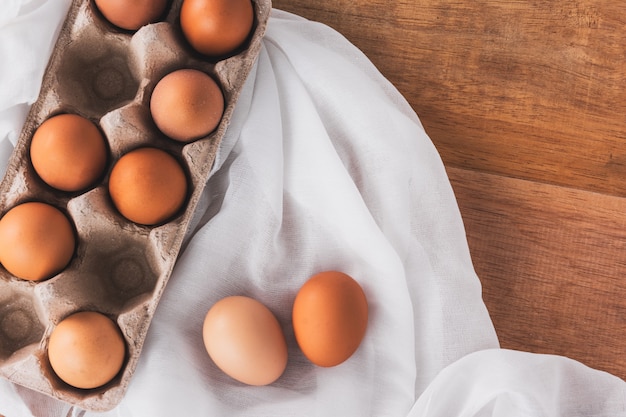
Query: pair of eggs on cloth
(241, 335)
(329, 318)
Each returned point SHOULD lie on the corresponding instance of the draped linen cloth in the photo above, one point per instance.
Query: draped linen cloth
(324, 166)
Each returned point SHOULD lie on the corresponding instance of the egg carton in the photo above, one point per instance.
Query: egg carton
(119, 268)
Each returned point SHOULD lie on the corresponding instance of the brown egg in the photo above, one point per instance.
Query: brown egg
(187, 104)
(131, 14)
(216, 27)
(329, 318)
(245, 340)
(36, 241)
(68, 152)
(86, 350)
(148, 186)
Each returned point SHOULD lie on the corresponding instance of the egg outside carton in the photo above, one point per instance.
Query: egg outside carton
(119, 268)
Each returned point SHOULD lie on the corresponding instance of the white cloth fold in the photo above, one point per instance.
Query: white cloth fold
(506, 383)
(324, 166)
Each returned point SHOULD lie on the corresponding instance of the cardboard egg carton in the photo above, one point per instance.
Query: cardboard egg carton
(119, 268)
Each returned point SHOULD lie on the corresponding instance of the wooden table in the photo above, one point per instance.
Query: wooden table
(526, 102)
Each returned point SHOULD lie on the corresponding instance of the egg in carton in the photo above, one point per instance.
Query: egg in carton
(118, 268)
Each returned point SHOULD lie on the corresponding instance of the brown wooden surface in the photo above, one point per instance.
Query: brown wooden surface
(526, 102)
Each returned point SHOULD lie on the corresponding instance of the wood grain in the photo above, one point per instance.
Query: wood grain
(488, 78)
(526, 102)
(552, 261)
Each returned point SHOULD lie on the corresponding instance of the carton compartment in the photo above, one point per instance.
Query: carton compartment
(93, 76)
(19, 322)
(104, 82)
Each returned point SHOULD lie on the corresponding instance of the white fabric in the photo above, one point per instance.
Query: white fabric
(325, 166)
(505, 383)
